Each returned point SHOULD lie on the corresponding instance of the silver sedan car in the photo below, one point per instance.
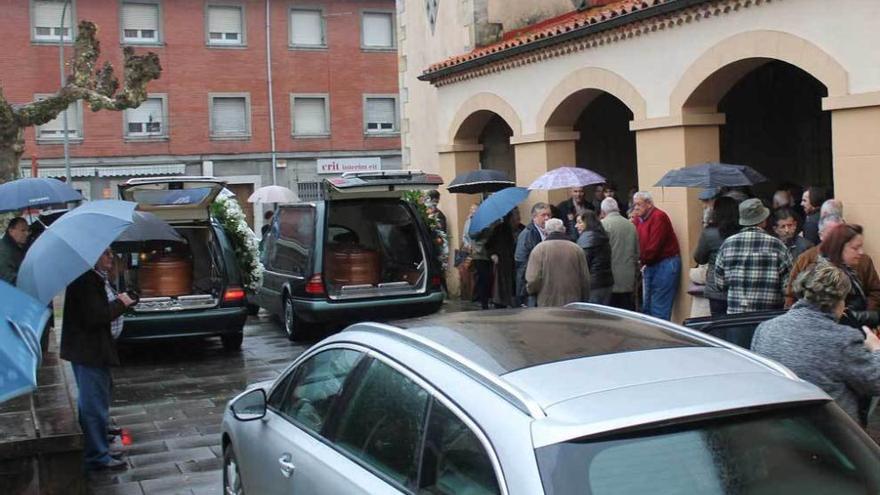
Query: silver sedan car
(578, 400)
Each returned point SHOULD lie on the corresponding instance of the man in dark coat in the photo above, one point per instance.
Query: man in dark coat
(12, 249)
(525, 243)
(572, 207)
(91, 311)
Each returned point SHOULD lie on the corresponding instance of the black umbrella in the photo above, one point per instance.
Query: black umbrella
(711, 175)
(480, 181)
(149, 227)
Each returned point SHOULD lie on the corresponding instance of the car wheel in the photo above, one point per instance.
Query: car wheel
(231, 477)
(232, 341)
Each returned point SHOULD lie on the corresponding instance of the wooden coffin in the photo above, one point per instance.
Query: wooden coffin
(351, 265)
(165, 276)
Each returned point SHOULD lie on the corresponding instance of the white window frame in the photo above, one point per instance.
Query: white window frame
(247, 117)
(74, 126)
(395, 125)
(390, 48)
(157, 40)
(147, 136)
(52, 38)
(302, 8)
(326, 98)
(223, 42)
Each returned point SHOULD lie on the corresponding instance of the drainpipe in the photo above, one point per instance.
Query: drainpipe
(271, 104)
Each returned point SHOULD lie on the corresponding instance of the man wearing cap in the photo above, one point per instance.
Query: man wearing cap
(753, 266)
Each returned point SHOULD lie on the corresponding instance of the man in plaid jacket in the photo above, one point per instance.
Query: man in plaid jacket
(753, 266)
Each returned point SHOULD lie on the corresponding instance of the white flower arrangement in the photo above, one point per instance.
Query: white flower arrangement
(244, 241)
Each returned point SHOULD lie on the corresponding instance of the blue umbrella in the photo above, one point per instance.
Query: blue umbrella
(72, 245)
(31, 193)
(495, 207)
(708, 175)
(22, 320)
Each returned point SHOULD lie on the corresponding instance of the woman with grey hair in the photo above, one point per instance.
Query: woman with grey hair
(842, 360)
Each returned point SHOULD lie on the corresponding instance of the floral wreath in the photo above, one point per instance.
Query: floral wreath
(431, 217)
(244, 242)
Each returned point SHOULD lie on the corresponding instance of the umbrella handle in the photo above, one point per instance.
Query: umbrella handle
(29, 339)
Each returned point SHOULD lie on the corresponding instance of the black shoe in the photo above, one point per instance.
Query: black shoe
(114, 430)
(113, 465)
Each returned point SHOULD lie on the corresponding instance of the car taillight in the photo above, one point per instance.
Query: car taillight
(315, 285)
(436, 281)
(233, 294)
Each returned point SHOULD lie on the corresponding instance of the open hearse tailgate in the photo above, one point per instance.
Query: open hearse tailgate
(173, 198)
(384, 184)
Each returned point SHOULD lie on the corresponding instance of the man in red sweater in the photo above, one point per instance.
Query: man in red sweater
(659, 256)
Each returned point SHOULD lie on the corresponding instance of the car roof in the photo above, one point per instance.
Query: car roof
(588, 369)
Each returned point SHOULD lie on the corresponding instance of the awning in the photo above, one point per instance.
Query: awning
(140, 170)
(59, 172)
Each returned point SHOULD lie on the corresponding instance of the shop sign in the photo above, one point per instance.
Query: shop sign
(341, 165)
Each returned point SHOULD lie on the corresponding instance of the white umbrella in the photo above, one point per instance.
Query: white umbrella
(565, 177)
(273, 194)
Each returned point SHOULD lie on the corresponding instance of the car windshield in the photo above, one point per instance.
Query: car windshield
(813, 449)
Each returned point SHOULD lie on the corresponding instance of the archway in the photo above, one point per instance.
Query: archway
(775, 124)
(496, 152)
(606, 145)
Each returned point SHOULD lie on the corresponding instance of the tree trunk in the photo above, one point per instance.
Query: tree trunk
(10, 156)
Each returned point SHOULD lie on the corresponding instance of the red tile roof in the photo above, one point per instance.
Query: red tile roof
(551, 27)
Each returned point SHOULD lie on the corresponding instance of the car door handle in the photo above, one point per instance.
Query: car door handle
(287, 466)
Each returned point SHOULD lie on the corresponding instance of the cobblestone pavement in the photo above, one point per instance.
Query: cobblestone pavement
(170, 397)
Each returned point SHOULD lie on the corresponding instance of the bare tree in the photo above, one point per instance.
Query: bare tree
(97, 86)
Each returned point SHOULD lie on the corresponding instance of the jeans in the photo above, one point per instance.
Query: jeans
(93, 405)
(660, 285)
(623, 300)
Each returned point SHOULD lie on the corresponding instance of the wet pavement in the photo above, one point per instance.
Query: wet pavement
(170, 397)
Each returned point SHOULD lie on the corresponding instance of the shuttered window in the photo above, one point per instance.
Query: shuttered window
(140, 23)
(225, 25)
(147, 120)
(378, 30)
(54, 129)
(46, 20)
(380, 115)
(306, 28)
(229, 116)
(310, 116)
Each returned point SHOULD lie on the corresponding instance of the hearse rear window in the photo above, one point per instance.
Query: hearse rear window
(179, 197)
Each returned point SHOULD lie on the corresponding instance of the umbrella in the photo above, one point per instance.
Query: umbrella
(273, 194)
(72, 245)
(22, 320)
(27, 193)
(711, 175)
(480, 181)
(566, 177)
(148, 227)
(495, 207)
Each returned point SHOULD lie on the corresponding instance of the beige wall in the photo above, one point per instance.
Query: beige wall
(515, 14)
(671, 79)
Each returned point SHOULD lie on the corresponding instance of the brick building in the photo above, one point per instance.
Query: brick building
(334, 90)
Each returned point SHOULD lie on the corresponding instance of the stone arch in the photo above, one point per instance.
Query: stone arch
(711, 76)
(565, 102)
(475, 112)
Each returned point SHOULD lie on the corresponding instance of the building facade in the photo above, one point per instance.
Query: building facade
(333, 105)
(633, 88)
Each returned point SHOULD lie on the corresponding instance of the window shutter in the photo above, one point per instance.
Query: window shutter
(224, 20)
(140, 16)
(48, 14)
(378, 30)
(56, 125)
(309, 116)
(229, 116)
(380, 111)
(306, 27)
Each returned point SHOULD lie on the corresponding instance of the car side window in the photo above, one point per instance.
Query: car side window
(316, 385)
(454, 460)
(383, 421)
(293, 241)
